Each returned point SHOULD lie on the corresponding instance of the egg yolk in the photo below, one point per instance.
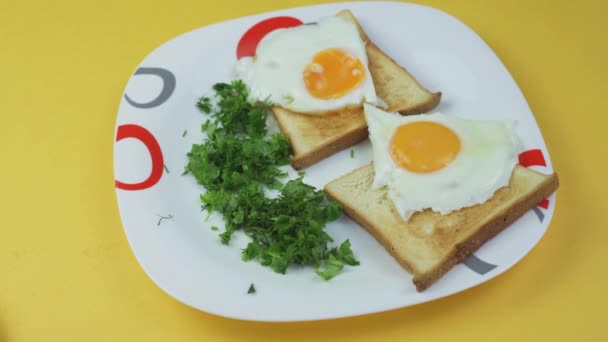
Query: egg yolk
(424, 146)
(332, 74)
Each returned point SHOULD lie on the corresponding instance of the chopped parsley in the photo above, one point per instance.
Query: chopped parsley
(352, 154)
(236, 163)
(166, 169)
(251, 289)
(204, 104)
(185, 133)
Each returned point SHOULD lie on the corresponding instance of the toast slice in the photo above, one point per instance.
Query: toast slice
(430, 244)
(316, 137)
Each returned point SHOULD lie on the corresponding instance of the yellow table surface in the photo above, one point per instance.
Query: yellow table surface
(68, 274)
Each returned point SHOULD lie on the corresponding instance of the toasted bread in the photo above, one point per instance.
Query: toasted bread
(430, 244)
(315, 137)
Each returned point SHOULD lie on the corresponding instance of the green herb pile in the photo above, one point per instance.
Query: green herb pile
(236, 163)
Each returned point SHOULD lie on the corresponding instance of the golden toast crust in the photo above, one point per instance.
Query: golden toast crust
(327, 134)
(487, 231)
(454, 236)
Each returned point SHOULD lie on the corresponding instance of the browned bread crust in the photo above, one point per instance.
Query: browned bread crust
(328, 133)
(454, 237)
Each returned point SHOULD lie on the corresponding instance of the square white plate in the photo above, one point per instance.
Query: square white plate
(185, 258)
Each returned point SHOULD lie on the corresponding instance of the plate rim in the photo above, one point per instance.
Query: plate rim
(170, 291)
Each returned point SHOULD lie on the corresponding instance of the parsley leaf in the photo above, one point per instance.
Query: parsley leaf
(345, 254)
(204, 104)
(333, 268)
(251, 289)
(338, 257)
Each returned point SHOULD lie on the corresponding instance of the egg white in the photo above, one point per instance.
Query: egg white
(487, 156)
(275, 73)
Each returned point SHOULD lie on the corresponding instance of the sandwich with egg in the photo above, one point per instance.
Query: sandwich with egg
(438, 188)
(317, 77)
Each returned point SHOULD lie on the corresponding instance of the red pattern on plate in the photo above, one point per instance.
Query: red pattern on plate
(143, 135)
(250, 40)
(534, 157)
(544, 204)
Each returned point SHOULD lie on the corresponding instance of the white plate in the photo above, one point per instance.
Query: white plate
(185, 258)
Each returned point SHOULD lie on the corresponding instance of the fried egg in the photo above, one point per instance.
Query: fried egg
(439, 161)
(312, 68)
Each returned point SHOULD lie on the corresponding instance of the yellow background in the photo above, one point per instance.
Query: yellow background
(67, 273)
